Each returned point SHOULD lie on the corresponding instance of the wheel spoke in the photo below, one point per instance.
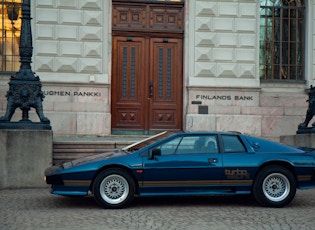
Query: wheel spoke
(114, 189)
(276, 187)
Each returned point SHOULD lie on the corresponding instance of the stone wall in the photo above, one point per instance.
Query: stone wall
(72, 58)
(222, 89)
(267, 112)
(299, 140)
(24, 155)
(223, 38)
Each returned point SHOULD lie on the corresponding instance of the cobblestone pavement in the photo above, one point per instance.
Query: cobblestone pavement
(38, 209)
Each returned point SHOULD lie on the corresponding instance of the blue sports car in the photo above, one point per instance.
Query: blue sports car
(189, 163)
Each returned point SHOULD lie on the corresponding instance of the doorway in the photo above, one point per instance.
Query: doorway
(147, 65)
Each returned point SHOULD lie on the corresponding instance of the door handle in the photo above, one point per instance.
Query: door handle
(150, 89)
(213, 160)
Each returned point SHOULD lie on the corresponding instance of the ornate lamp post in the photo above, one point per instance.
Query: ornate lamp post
(13, 11)
(25, 87)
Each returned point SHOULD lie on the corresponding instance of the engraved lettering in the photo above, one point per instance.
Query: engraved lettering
(57, 93)
(236, 174)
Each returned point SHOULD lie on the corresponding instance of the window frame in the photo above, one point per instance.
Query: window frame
(244, 150)
(272, 68)
(10, 45)
(181, 139)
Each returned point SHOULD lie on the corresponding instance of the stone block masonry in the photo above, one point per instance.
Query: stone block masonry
(24, 155)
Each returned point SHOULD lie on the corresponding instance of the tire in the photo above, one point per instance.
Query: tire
(113, 188)
(274, 186)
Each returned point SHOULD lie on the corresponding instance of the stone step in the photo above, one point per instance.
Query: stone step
(67, 149)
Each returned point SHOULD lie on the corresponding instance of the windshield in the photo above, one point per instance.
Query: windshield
(143, 143)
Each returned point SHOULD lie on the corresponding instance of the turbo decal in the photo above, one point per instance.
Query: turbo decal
(236, 174)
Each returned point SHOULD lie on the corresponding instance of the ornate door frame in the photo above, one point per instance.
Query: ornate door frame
(151, 24)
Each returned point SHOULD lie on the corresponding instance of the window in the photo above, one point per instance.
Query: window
(170, 147)
(10, 24)
(282, 35)
(190, 145)
(187, 145)
(232, 144)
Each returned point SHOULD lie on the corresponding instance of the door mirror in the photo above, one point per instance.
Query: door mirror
(255, 145)
(155, 152)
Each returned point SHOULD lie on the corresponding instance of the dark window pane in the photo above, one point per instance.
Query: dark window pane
(10, 26)
(232, 144)
(282, 35)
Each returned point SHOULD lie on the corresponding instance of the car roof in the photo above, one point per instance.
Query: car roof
(211, 132)
(145, 142)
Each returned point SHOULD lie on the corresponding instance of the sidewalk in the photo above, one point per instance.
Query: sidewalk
(30, 209)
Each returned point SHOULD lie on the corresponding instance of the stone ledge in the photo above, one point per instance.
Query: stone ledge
(299, 140)
(24, 155)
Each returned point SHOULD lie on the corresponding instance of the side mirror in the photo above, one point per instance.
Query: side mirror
(255, 145)
(155, 152)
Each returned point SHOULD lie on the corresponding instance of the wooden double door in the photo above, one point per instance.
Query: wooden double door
(146, 84)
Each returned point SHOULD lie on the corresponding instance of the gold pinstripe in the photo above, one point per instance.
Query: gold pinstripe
(77, 182)
(196, 182)
(184, 182)
(304, 177)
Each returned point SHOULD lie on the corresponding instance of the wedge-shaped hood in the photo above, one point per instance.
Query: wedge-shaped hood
(116, 153)
(101, 156)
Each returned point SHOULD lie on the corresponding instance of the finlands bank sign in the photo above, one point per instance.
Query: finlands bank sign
(224, 97)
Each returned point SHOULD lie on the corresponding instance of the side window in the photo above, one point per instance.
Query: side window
(187, 145)
(206, 144)
(190, 145)
(232, 144)
(170, 147)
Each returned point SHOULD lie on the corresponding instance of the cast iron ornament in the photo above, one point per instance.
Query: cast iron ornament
(25, 88)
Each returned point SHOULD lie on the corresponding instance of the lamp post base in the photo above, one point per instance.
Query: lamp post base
(24, 125)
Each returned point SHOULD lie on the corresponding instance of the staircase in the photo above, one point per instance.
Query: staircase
(67, 149)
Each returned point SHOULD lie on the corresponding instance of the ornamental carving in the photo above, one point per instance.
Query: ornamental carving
(148, 17)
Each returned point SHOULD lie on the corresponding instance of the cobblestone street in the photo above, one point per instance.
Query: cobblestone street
(38, 209)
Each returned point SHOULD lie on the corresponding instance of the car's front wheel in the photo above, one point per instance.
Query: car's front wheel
(274, 186)
(113, 188)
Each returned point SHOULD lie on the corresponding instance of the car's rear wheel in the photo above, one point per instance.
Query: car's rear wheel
(274, 186)
(113, 188)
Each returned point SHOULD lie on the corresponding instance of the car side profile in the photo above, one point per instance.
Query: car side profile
(189, 163)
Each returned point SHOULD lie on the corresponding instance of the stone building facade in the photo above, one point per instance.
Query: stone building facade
(221, 85)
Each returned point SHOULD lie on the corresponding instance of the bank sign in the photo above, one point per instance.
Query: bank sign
(225, 97)
(72, 93)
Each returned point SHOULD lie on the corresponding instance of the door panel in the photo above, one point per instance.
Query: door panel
(166, 76)
(146, 84)
(128, 103)
(185, 165)
(182, 174)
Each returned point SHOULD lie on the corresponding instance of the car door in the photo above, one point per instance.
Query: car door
(238, 163)
(188, 164)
